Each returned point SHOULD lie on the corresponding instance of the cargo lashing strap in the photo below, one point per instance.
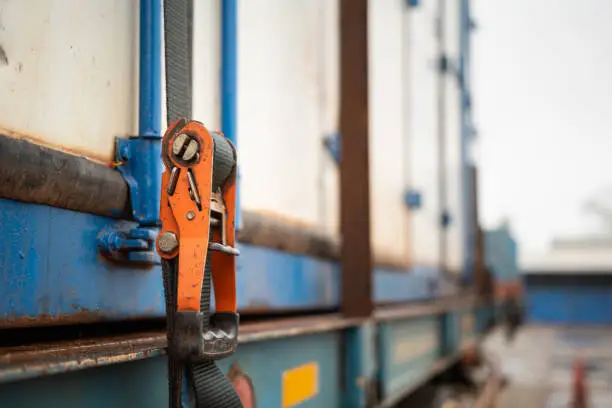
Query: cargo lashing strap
(197, 239)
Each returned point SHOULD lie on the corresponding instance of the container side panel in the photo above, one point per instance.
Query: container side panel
(389, 221)
(408, 350)
(288, 80)
(424, 165)
(454, 161)
(71, 72)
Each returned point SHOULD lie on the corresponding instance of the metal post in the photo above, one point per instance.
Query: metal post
(229, 78)
(356, 254)
(468, 238)
(145, 155)
(149, 123)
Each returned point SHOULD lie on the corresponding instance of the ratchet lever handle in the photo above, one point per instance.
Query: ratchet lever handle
(197, 342)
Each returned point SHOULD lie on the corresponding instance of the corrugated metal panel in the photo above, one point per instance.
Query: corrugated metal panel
(144, 383)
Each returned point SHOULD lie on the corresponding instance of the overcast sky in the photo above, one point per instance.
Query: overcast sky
(542, 79)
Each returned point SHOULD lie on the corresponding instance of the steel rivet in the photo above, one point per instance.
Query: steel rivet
(167, 242)
(190, 215)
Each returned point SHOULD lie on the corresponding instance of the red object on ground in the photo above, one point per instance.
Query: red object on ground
(579, 388)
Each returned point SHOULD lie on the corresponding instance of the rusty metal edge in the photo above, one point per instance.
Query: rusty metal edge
(427, 308)
(27, 362)
(18, 363)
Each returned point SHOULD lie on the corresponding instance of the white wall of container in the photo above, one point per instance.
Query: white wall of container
(71, 82)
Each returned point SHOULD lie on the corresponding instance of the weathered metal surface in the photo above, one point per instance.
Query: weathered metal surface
(22, 362)
(356, 259)
(143, 383)
(68, 89)
(40, 285)
(417, 309)
(19, 363)
(37, 174)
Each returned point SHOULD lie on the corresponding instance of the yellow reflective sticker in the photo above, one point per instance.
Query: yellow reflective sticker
(300, 384)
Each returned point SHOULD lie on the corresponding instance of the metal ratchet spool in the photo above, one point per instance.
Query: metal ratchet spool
(224, 160)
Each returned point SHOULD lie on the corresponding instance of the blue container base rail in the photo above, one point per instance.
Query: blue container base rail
(53, 272)
(334, 368)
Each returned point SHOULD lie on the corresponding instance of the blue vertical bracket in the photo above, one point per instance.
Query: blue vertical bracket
(138, 159)
(466, 25)
(229, 82)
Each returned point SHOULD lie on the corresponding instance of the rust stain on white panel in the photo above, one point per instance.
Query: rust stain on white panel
(71, 78)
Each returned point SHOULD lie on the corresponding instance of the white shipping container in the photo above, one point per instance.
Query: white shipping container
(72, 83)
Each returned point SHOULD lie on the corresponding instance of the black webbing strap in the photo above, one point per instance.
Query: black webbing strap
(211, 387)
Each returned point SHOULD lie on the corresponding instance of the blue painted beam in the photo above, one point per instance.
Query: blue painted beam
(150, 84)
(51, 270)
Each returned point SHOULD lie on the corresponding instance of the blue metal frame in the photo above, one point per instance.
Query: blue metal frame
(360, 365)
(139, 158)
(52, 270)
(229, 81)
(142, 155)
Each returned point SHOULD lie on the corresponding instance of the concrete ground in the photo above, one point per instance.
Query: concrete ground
(539, 362)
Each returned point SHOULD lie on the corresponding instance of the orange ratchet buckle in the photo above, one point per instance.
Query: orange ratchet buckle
(197, 240)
